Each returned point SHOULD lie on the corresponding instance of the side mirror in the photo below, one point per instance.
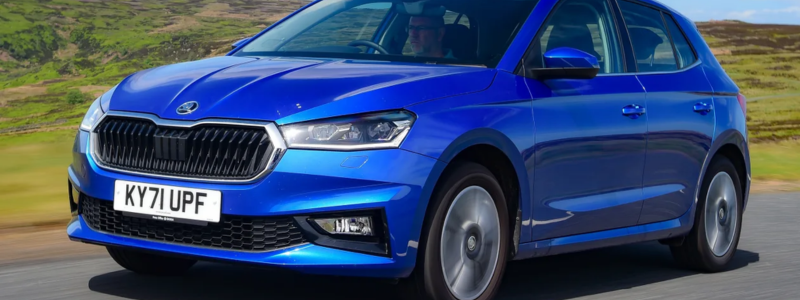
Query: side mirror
(567, 63)
(239, 42)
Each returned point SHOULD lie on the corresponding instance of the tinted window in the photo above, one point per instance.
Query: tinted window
(476, 32)
(453, 21)
(651, 45)
(358, 23)
(686, 56)
(586, 25)
(451, 18)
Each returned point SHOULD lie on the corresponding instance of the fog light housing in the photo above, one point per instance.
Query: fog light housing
(361, 226)
(363, 231)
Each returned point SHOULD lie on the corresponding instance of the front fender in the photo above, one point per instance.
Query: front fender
(481, 136)
(446, 127)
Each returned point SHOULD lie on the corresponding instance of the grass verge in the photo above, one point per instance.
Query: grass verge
(776, 161)
(33, 178)
(774, 119)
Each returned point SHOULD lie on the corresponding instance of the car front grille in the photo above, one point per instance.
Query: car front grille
(253, 234)
(205, 151)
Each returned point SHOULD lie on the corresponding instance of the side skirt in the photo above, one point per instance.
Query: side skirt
(614, 237)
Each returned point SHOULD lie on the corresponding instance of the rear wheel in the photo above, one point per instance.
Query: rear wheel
(465, 243)
(149, 264)
(711, 244)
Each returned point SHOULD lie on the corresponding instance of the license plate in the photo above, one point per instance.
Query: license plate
(167, 203)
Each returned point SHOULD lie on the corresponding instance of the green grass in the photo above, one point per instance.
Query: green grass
(14, 20)
(48, 109)
(29, 75)
(113, 38)
(33, 178)
(762, 75)
(776, 161)
(774, 119)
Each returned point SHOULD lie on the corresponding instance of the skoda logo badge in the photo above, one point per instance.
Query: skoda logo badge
(188, 107)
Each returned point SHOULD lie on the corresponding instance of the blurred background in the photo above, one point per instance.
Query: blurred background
(56, 56)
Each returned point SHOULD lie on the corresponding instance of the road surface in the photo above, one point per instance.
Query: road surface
(767, 266)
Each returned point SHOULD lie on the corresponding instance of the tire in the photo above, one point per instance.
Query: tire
(489, 247)
(696, 252)
(149, 264)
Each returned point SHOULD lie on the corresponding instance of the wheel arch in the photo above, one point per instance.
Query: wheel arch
(733, 145)
(495, 151)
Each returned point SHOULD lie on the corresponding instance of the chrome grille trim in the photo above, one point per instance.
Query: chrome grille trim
(279, 145)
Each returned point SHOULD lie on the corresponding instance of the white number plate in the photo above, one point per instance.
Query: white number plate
(167, 203)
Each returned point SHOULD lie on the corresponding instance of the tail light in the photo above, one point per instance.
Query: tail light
(743, 103)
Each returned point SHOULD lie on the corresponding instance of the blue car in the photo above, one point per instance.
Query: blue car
(430, 141)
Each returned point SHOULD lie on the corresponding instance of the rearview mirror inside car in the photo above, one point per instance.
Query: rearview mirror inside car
(566, 63)
(420, 8)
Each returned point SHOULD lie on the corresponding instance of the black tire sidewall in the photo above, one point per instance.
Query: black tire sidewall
(708, 259)
(432, 283)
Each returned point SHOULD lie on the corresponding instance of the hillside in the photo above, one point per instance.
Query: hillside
(764, 60)
(49, 47)
(57, 55)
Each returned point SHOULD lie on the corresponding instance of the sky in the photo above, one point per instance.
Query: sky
(753, 11)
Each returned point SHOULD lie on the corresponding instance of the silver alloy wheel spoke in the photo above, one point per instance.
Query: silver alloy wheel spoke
(470, 243)
(721, 214)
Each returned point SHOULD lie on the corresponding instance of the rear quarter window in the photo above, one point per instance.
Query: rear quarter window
(649, 37)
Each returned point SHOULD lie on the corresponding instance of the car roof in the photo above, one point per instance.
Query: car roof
(662, 6)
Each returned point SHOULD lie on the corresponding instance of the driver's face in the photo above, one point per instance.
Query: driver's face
(425, 36)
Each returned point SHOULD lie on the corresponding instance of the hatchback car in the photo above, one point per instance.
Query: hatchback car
(430, 141)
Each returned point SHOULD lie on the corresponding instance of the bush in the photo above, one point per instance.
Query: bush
(35, 45)
(75, 96)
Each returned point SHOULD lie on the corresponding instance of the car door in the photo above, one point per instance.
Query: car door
(679, 111)
(590, 134)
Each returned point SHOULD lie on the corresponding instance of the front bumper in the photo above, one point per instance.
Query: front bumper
(303, 183)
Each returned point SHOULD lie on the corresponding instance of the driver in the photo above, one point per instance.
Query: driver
(426, 35)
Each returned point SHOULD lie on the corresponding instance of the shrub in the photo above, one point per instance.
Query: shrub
(75, 96)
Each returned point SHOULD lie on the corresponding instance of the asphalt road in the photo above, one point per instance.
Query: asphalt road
(767, 266)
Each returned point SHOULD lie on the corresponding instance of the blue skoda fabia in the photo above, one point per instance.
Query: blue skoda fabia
(430, 141)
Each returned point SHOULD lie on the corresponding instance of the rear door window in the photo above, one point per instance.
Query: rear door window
(651, 45)
(686, 56)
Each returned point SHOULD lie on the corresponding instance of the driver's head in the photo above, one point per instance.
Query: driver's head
(425, 35)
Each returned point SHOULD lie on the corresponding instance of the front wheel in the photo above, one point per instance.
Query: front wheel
(465, 244)
(711, 244)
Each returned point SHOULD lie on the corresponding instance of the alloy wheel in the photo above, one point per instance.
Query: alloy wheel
(470, 243)
(721, 214)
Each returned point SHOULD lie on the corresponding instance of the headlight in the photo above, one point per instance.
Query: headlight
(370, 131)
(94, 114)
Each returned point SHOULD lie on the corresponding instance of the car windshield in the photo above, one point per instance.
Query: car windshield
(471, 32)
